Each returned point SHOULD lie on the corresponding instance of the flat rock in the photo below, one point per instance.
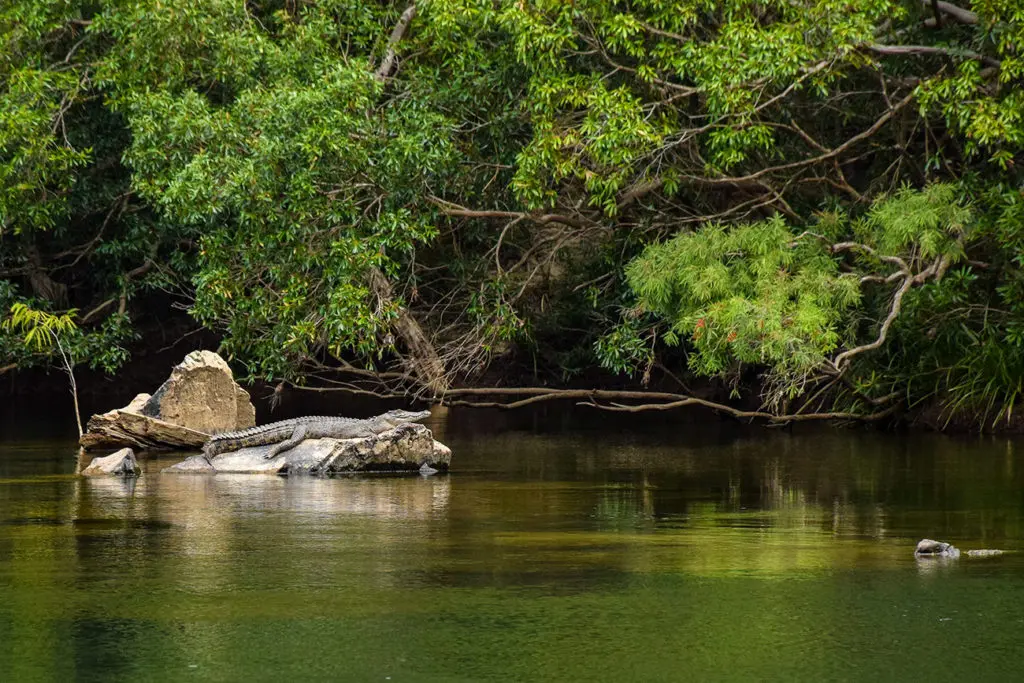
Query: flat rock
(407, 448)
(121, 464)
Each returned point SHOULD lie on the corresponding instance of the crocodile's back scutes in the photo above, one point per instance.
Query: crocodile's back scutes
(313, 426)
(283, 424)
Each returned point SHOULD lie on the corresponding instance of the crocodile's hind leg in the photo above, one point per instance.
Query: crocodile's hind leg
(296, 438)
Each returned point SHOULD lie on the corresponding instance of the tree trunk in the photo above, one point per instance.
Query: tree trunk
(422, 360)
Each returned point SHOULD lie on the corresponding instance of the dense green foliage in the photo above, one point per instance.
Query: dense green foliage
(817, 202)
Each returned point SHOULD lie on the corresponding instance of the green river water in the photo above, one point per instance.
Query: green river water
(551, 552)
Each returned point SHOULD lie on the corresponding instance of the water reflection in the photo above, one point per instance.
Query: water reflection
(577, 546)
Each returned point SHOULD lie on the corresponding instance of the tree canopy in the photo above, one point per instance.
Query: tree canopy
(800, 207)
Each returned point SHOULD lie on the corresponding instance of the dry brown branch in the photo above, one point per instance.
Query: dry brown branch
(348, 390)
(128, 277)
(117, 207)
(667, 401)
(612, 401)
(894, 310)
(747, 414)
(451, 209)
(423, 359)
(857, 246)
(936, 271)
(95, 311)
(831, 154)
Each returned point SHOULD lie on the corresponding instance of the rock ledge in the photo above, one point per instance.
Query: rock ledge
(408, 448)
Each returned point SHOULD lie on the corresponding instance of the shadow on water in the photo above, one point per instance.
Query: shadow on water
(563, 546)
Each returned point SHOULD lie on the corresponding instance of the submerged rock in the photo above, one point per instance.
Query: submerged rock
(122, 464)
(200, 398)
(407, 448)
(929, 548)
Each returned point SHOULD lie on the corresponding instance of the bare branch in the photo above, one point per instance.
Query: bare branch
(451, 209)
(931, 50)
(863, 135)
(936, 271)
(894, 311)
(857, 246)
(667, 401)
(747, 414)
(387, 65)
(95, 311)
(964, 16)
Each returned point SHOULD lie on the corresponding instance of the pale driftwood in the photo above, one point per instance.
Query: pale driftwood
(122, 427)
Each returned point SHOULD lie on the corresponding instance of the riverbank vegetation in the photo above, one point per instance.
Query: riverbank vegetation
(795, 209)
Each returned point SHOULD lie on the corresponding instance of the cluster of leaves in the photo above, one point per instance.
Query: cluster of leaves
(764, 295)
(299, 181)
(753, 294)
(30, 336)
(589, 182)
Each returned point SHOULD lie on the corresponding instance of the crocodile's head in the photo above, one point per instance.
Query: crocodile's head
(393, 418)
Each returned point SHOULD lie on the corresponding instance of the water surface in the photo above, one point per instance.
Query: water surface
(553, 551)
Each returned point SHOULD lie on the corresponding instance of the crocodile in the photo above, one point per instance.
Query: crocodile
(287, 434)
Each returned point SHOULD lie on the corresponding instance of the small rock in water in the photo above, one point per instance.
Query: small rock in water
(122, 464)
(426, 470)
(929, 548)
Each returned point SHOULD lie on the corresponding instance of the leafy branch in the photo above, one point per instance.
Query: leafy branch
(43, 331)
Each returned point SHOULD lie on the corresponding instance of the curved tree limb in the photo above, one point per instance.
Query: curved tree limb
(451, 209)
(932, 50)
(936, 270)
(964, 16)
(843, 359)
(832, 153)
(387, 65)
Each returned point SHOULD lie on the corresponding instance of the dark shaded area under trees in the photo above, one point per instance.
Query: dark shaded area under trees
(783, 210)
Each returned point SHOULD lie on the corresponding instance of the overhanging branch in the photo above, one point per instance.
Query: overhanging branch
(387, 65)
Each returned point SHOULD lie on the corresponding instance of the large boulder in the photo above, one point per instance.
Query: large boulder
(407, 448)
(119, 464)
(199, 399)
(201, 394)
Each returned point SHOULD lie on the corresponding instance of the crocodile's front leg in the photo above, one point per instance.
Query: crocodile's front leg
(298, 434)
